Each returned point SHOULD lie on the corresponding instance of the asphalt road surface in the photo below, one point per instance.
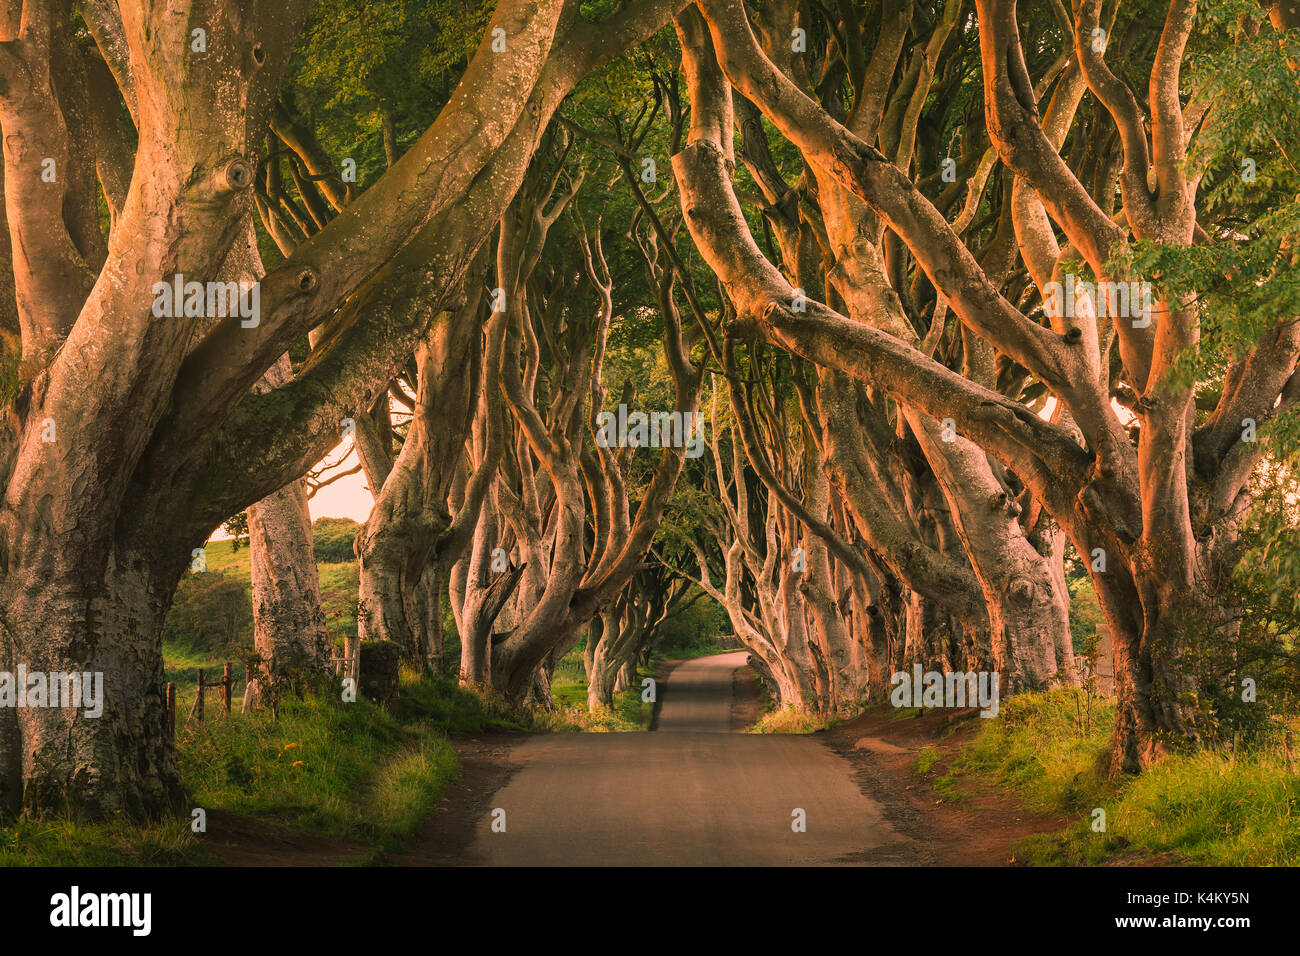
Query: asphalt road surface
(687, 794)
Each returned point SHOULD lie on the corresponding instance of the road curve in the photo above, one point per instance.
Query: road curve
(690, 794)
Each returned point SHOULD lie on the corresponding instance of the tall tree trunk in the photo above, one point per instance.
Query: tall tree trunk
(600, 677)
(289, 630)
(99, 615)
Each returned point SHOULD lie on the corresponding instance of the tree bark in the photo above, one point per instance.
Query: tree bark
(289, 630)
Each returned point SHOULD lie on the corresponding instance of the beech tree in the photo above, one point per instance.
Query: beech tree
(924, 378)
(130, 436)
(775, 578)
(560, 480)
(622, 638)
(1152, 495)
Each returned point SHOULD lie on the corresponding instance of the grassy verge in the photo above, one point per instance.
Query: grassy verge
(629, 713)
(61, 842)
(348, 771)
(788, 720)
(629, 705)
(356, 771)
(1207, 808)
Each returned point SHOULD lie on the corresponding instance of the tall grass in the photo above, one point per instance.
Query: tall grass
(1213, 808)
(63, 842)
(353, 771)
(789, 720)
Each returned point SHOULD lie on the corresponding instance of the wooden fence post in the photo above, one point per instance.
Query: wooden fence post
(352, 664)
(225, 687)
(198, 701)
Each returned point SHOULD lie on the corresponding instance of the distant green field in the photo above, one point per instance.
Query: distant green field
(226, 595)
(222, 556)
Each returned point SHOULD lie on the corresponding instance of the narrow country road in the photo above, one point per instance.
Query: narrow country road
(687, 794)
(700, 698)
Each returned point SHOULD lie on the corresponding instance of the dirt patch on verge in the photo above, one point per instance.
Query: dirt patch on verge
(746, 699)
(239, 840)
(968, 823)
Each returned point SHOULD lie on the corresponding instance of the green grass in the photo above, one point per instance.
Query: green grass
(442, 702)
(570, 696)
(789, 720)
(569, 669)
(222, 556)
(1035, 747)
(311, 769)
(61, 842)
(628, 714)
(634, 711)
(926, 760)
(347, 771)
(181, 666)
(338, 583)
(407, 788)
(1204, 808)
(338, 597)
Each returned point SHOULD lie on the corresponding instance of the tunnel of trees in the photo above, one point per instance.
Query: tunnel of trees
(884, 325)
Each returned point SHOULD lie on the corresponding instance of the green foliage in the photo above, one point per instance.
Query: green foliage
(1244, 70)
(1243, 659)
(694, 631)
(1248, 149)
(211, 612)
(1241, 289)
(237, 527)
(1271, 562)
(356, 60)
(332, 539)
(1085, 614)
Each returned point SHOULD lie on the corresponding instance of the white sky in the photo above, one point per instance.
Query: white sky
(346, 498)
